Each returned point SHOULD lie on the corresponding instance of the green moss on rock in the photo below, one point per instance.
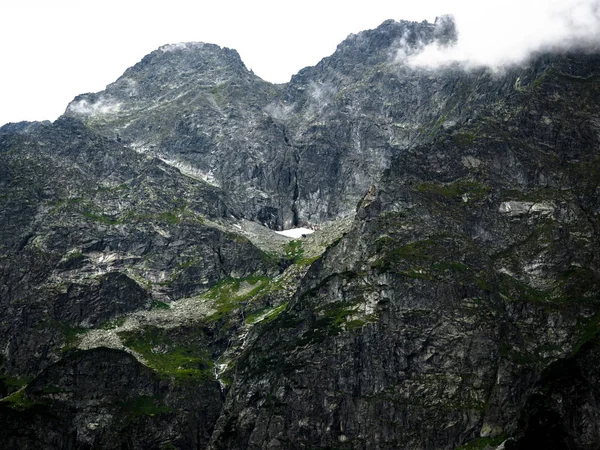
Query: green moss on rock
(168, 356)
(465, 188)
(483, 443)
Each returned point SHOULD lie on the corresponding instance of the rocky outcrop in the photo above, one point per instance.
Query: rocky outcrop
(562, 412)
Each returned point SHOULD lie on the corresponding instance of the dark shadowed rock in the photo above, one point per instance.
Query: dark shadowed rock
(106, 399)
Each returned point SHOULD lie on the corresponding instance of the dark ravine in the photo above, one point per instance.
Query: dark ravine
(449, 300)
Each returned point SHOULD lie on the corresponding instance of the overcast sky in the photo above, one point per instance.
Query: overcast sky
(53, 50)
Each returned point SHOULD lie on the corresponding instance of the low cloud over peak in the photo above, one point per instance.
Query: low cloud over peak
(496, 34)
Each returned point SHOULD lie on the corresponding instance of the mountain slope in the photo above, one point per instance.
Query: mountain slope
(447, 299)
(91, 230)
(293, 154)
(466, 274)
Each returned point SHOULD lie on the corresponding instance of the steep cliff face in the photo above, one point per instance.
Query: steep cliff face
(458, 307)
(106, 399)
(469, 271)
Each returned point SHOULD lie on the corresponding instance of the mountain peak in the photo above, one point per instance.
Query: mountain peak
(166, 73)
(381, 45)
(183, 46)
(197, 51)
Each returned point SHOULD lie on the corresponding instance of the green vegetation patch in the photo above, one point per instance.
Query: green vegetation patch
(437, 125)
(472, 189)
(48, 390)
(169, 217)
(333, 319)
(101, 218)
(172, 217)
(62, 202)
(168, 446)
(74, 255)
(160, 305)
(144, 406)
(114, 323)
(538, 82)
(20, 401)
(427, 259)
(288, 319)
(72, 336)
(580, 284)
(587, 330)
(464, 138)
(307, 261)
(13, 382)
(521, 358)
(293, 250)
(221, 92)
(571, 290)
(573, 287)
(265, 315)
(228, 294)
(517, 290)
(169, 357)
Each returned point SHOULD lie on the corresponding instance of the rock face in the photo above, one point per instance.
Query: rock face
(300, 153)
(459, 308)
(131, 407)
(431, 322)
(91, 230)
(563, 410)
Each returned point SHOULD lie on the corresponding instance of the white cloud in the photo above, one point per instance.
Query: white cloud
(102, 106)
(495, 34)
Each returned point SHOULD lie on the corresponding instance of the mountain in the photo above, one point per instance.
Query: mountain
(199, 108)
(449, 297)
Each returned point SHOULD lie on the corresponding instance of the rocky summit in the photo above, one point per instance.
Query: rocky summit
(445, 295)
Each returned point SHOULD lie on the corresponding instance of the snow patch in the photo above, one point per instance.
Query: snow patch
(181, 46)
(295, 232)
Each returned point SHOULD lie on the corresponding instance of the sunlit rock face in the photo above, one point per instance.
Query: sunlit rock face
(436, 286)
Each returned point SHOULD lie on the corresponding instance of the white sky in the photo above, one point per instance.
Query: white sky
(52, 50)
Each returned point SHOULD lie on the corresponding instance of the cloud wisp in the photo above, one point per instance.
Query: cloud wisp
(499, 34)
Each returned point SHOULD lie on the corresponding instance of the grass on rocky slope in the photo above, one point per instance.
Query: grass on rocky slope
(169, 356)
(20, 401)
(265, 314)
(231, 293)
(465, 188)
